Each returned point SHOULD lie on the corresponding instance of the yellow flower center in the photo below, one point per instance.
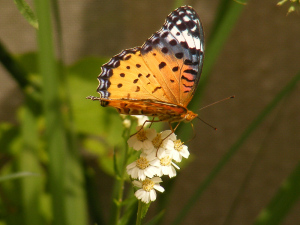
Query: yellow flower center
(178, 145)
(141, 135)
(142, 163)
(166, 161)
(157, 141)
(148, 185)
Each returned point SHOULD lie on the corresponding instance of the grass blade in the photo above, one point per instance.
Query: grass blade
(55, 134)
(282, 202)
(17, 176)
(28, 14)
(65, 179)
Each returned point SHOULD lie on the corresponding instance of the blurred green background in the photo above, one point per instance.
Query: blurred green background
(65, 143)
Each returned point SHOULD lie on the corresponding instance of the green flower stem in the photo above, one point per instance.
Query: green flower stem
(139, 213)
(120, 180)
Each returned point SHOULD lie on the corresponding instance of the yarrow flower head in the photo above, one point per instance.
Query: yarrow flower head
(145, 166)
(180, 150)
(167, 167)
(158, 151)
(161, 140)
(147, 192)
(142, 139)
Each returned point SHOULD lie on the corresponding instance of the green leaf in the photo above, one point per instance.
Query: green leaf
(8, 134)
(281, 204)
(89, 116)
(130, 211)
(28, 14)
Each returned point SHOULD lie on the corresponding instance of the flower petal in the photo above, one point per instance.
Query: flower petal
(152, 195)
(159, 188)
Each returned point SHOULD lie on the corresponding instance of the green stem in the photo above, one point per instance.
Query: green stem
(120, 180)
(139, 213)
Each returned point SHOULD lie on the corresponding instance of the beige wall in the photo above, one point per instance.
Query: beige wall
(260, 57)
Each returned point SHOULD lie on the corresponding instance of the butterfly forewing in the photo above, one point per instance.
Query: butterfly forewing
(126, 76)
(175, 52)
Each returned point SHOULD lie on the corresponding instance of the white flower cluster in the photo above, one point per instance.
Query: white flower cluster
(158, 151)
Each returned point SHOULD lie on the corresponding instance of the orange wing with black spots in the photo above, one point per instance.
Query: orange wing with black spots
(159, 78)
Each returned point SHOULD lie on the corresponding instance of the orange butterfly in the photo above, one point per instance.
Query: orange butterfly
(158, 79)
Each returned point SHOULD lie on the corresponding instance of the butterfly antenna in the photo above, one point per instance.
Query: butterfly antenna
(207, 123)
(217, 102)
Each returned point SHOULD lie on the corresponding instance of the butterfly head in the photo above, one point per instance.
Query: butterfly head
(189, 116)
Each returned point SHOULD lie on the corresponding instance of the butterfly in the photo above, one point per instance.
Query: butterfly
(159, 78)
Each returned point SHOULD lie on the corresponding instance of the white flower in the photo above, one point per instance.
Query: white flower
(145, 166)
(142, 139)
(167, 167)
(126, 123)
(161, 139)
(147, 192)
(141, 120)
(180, 150)
(167, 142)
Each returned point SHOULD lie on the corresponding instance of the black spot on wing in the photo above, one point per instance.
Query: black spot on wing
(165, 50)
(191, 71)
(179, 55)
(190, 62)
(173, 42)
(155, 89)
(127, 57)
(175, 68)
(162, 65)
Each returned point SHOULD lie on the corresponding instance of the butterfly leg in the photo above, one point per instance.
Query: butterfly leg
(147, 121)
(151, 122)
(172, 131)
